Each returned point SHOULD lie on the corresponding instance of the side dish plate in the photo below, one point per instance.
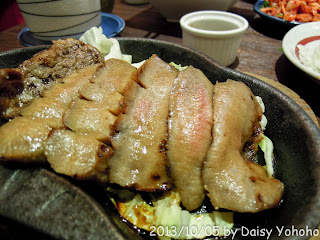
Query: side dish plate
(308, 33)
(257, 8)
(66, 209)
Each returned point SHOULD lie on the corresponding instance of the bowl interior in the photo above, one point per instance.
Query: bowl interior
(295, 137)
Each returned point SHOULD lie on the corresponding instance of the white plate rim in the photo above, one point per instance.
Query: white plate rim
(293, 37)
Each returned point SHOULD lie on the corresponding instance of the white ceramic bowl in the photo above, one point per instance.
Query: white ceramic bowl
(307, 33)
(50, 20)
(218, 34)
(173, 10)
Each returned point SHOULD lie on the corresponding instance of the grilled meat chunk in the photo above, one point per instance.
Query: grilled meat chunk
(190, 124)
(232, 181)
(96, 114)
(11, 84)
(116, 76)
(90, 118)
(78, 156)
(139, 160)
(45, 69)
(112, 101)
(23, 138)
(110, 84)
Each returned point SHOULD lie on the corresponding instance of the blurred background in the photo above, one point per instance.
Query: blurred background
(10, 14)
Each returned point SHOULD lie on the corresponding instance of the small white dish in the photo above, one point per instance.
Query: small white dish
(307, 33)
(217, 34)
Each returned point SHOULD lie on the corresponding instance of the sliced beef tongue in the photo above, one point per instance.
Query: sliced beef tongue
(190, 124)
(80, 152)
(95, 111)
(24, 138)
(166, 128)
(79, 156)
(233, 182)
(139, 160)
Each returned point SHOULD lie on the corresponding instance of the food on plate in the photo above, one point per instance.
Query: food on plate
(89, 118)
(139, 160)
(78, 156)
(189, 134)
(44, 70)
(101, 100)
(23, 138)
(232, 181)
(63, 106)
(293, 10)
(172, 147)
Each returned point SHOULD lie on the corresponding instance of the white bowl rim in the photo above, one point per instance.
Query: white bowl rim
(213, 14)
(293, 37)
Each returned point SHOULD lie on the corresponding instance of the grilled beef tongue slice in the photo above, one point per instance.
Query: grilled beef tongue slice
(139, 160)
(24, 138)
(96, 110)
(190, 124)
(233, 182)
(79, 156)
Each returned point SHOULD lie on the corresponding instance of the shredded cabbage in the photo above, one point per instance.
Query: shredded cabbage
(170, 220)
(109, 47)
(266, 144)
(178, 66)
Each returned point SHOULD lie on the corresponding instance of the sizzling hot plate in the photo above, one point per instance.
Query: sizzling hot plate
(60, 207)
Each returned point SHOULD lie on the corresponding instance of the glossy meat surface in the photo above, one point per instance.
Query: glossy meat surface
(78, 156)
(233, 182)
(90, 118)
(56, 101)
(112, 101)
(190, 124)
(24, 138)
(94, 112)
(116, 76)
(139, 160)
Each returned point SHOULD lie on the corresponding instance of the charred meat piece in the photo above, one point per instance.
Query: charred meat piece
(11, 84)
(47, 68)
(190, 124)
(232, 181)
(139, 160)
(23, 138)
(78, 156)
